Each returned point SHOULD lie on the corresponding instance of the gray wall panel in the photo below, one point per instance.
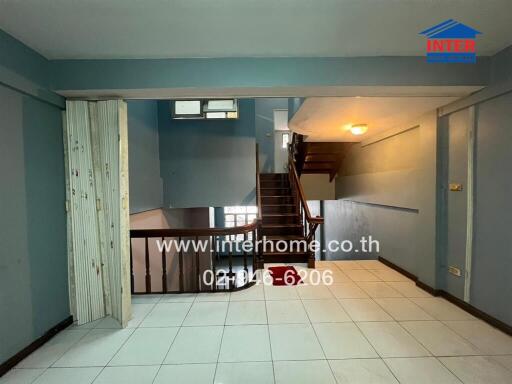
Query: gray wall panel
(208, 163)
(144, 156)
(491, 287)
(33, 260)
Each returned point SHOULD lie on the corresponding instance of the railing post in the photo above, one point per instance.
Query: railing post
(132, 273)
(180, 260)
(164, 267)
(214, 263)
(194, 260)
(198, 274)
(148, 271)
(254, 261)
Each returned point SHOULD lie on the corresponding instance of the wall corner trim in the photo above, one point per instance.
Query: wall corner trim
(14, 360)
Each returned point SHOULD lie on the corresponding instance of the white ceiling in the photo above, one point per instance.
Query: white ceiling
(329, 118)
(245, 28)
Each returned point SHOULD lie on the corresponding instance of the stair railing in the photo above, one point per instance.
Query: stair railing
(206, 267)
(309, 223)
(259, 262)
(297, 151)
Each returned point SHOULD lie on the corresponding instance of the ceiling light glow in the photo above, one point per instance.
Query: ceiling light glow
(358, 129)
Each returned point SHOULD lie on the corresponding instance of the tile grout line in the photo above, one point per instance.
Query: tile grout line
(367, 340)
(437, 358)
(424, 346)
(174, 339)
(116, 352)
(88, 330)
(317, 338)
(269, 339)
(381, 358)
(221, 341)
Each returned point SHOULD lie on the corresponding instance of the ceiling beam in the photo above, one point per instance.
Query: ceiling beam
(159, 77)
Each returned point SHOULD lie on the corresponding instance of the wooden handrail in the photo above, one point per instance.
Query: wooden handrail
(192, 232)
(183, 254)
(258, 184)
(296, 181)
(310, 223)
(303, 201)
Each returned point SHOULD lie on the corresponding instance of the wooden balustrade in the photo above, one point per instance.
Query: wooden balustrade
(227, 270)
(309, 223)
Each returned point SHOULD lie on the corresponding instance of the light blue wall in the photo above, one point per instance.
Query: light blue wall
(500, 67)
(388, 190)
(294, 104)
(33, 261)
(351, 220)
(23, 69)
(208, 163)
(491, 286)
(452, 223)
(265, 130)
(144, 156)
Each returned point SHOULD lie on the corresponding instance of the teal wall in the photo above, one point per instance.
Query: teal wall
(390, 181)
(33, 261)
(264, 116)
(207, 163)
(491, 288)
(144, 156)
(25, 70)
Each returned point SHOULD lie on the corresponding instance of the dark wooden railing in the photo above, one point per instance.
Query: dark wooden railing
(297, 152)
(260, 262)
(225, 269)
(309, 223)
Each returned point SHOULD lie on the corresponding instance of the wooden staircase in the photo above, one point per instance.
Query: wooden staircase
(286, 229)
(281, 220)
(318, 157)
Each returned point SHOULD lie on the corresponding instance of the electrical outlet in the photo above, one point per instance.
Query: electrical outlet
(454, 187)
(454, 271)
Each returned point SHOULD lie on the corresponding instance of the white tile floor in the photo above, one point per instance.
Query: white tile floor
(372, 326)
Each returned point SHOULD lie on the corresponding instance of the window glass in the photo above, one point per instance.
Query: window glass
(286, 140)
(237, 216)
(240, 219)
(216, 115)
(187, 107)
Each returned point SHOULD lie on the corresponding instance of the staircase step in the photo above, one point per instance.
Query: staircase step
(273, 176)
(280, 218)
(276, 200)
(281, 229)
(278, 208)
(284, 183)
(276, 191)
